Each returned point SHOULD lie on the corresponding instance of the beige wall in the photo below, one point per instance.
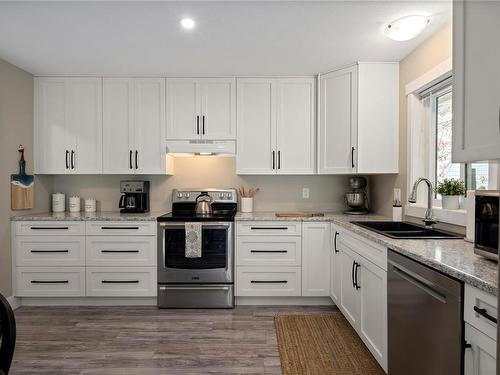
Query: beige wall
(16, 127)
(276, 192)
(432, 52)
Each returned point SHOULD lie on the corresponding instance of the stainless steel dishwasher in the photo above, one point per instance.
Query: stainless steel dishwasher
(425, 319)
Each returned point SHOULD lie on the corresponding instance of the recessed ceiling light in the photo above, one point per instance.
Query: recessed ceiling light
(187, 23)
(406, 28)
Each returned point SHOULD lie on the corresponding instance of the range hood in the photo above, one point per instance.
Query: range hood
(201, 147)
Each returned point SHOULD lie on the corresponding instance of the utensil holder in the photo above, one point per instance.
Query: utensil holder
(246, 205)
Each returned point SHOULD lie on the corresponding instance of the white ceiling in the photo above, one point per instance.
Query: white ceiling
(231, 38)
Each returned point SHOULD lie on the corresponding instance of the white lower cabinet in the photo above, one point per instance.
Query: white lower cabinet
(50, 281)
(359, 288)
(121, 281)
(315, 259)
(481, 356)
(268, 281)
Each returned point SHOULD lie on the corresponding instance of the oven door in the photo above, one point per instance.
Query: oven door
(217, 253)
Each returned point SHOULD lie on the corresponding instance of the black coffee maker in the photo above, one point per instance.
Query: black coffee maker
(135, 197)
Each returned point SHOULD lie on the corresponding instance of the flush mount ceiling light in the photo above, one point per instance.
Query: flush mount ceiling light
(187, 23)
(406, 28)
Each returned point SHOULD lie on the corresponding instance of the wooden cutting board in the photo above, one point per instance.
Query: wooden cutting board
(298, 214)
(22, 187)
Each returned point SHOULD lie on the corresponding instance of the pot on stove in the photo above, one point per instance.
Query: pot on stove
(204, 204)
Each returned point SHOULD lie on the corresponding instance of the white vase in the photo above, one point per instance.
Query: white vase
(451, 202)
(246, 205)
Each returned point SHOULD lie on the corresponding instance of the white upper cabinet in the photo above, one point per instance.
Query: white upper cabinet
(134, 126)
(358, 120)
(476, 81)
(315, 259)
(276, 126)
(337, 121)
(68, 125)
(201, 108)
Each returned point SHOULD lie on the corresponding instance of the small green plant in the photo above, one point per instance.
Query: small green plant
(451, 186)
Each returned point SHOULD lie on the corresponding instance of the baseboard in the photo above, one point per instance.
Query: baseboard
(14, 302)
(284, 301)
(88, 301)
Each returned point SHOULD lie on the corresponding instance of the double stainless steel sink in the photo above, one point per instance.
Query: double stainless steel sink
(404, 230)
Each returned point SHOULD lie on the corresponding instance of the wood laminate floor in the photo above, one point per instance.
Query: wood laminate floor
(146, 340)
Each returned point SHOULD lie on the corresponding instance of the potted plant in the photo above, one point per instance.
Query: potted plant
(451, 189)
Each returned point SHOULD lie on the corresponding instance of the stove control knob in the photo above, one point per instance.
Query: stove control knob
(228, 195)
(179, 195)
(186, 195)
(221, 195)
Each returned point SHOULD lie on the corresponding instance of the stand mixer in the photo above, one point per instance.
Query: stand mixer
(356, 199)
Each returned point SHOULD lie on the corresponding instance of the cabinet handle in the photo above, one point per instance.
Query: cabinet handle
(273, 157)
(485, 314)
(120, 282)
(49, 281)
(67, 162)
(352, 274)
(499, 118)
(197, 124)
(203, 124)
(119, 251)
(356, 275)
(268, 281)
(352, 157)
(136, 165)
(49, 228)
(72, 159)
(49, 251)
(130, 160)
(335, 242)
(105, 228)
(268, 228)
(279, 159)
(268, 251)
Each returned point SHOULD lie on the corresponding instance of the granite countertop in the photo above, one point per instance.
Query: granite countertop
(452, 257)
(88, 216)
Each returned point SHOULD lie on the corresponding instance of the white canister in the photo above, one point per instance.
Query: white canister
(58, 202)
(90, 205)
(246, 205)
(397, 213)
(74, 204)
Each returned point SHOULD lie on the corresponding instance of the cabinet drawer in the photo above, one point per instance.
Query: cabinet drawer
(121, 228)
(478, 307)
(266, 251)
(50, 281)
(121, 251)
(269, 228)
(121, 281)
(39, 251)
(268, 281)
(50, 228)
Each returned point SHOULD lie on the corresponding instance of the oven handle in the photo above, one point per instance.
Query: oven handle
(217, 224)
(194, 288)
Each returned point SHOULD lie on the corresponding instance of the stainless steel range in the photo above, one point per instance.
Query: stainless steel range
(205, 280)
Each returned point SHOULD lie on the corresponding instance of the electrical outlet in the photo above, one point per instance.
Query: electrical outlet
(305, 193)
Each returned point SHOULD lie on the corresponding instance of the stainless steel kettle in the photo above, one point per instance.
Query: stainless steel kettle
(203, 204)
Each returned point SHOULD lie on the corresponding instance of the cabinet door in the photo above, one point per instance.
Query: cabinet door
(183, 108)
(373, 317)
(315, 259)
(480, 358)
(338, 122)
(218, 108)
(476, 90)
(118, 125)
(349, 298)
(335, 267)
(84, 135)
(150, 142)
(256, 153)
(296, 110)
(50, 126)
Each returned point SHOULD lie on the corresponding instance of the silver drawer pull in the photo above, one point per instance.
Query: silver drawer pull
(120, 281)
(49, 228)
(50, 281)
(268, 281)
(119, 251)
(129, 228)
(269, 251)
(268, 228)
(194, 288)
(49, 251)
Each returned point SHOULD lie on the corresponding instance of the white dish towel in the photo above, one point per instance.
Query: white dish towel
(193, 240)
